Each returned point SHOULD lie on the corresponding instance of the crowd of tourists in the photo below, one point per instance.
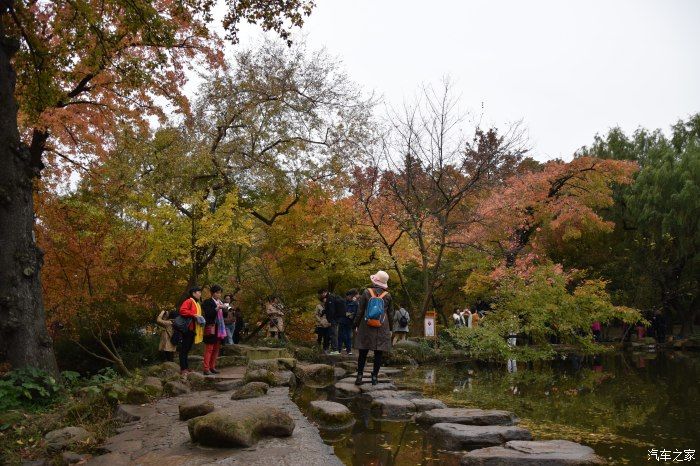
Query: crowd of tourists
(364, 320)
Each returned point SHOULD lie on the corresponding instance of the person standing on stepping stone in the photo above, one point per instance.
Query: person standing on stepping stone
(373, 324)
(214, 329)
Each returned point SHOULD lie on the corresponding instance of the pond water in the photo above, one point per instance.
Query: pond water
(620, 404)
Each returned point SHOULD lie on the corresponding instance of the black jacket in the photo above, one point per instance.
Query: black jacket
(335, 308)
(209, 311)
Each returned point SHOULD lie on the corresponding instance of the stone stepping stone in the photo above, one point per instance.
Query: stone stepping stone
(240, 426)
(331, 415)
(407, 395)
(194, 409)
(456, 437)
(534, 453)
(393, 408)
(175, 388)
(426, 404)
(250, 390)
(475, 417)
(368, 387)
(315, 375)
(390, 371)
(227, 385)
(348, 365)
(366, 379)
(339, 372)
(285, 379)
(343, 388)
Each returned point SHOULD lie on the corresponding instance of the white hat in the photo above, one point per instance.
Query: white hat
(380, 279)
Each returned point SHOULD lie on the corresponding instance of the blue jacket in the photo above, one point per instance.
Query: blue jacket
(351, 308)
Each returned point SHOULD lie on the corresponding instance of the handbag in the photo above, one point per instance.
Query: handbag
(209, 330)
(182, 324)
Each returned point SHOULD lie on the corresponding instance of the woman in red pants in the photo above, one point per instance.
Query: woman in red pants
(214, 329)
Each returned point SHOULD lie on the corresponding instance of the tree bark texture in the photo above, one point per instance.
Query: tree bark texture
(24, 339)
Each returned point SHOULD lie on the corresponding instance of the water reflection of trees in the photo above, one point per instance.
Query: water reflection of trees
(614, 398)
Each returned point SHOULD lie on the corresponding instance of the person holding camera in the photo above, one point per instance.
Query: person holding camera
(229, 318)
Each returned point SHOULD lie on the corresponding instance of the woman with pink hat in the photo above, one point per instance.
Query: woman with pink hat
(373, 324)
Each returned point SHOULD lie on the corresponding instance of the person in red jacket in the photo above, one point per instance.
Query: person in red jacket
(190, 309)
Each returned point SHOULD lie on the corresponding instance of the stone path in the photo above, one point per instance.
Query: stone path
(481, 437)
(159, 438)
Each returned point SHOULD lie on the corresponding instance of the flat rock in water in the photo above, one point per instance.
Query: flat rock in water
(393, 408)
(227, 385)
(339, 372)
(368, 387)
(534, 453)
(456, 437)
(347, 388)
(194, 409)
(426, 404)
(406, 395)
(240, 427)
(475, 417)
(59, 439)
(331, 415)
(366, 379)
(250, 390)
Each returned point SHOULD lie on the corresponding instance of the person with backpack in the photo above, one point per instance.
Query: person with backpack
(346, 321)
(402, 319)
(214, 330)
(373, 323)
(190, 324)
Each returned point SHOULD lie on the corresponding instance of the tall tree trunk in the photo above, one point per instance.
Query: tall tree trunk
(24, 339)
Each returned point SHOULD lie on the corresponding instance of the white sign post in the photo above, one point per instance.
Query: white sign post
(429, 325)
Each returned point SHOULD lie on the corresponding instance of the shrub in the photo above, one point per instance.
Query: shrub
(28, 386)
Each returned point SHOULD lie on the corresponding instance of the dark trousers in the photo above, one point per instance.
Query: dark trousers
(334, 336)
(344, 337)
(362, 359)
(168, 355)
(185, 347)
(324, 337)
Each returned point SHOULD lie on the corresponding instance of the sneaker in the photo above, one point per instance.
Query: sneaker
(206, 373)
(333, 353)
(214, 371)
(358, 379)
(349, 353)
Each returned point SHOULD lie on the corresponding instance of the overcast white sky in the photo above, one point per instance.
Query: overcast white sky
(568, 69)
